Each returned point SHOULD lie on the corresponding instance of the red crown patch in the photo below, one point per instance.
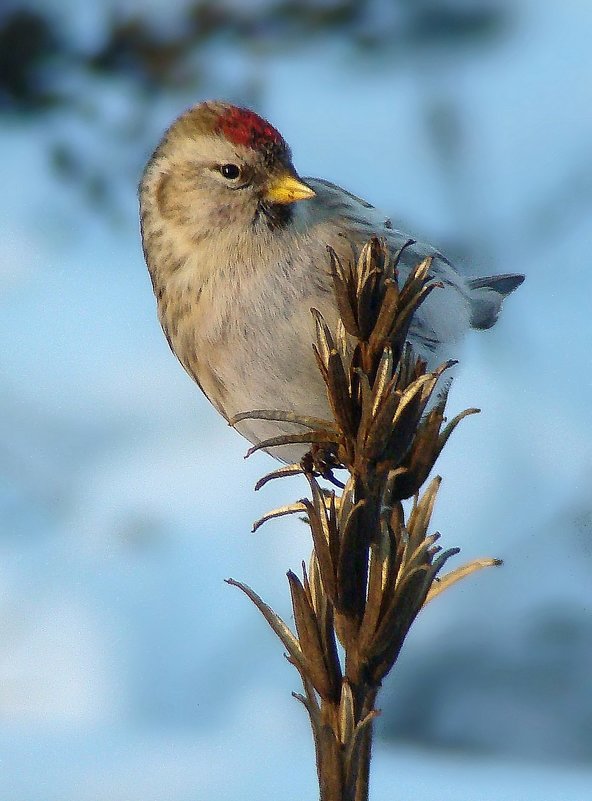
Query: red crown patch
(244, 127)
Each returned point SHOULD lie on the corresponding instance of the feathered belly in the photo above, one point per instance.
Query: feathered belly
(273, 368)
(253, 349)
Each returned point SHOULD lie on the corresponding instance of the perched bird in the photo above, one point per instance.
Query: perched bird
(236, 246)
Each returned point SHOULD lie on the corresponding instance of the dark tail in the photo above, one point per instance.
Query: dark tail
(487, 295)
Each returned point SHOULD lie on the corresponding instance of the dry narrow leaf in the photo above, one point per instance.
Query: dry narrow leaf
(380, 554)
(368, 303)
(309, 638)
(403, 321)
(285, 417)
(396, 258)
(455, 576)
(321, 363)
(324, 338)
(422, 513)
(347, 718)
(353, 563)
(281, 511)
(344, 297)
(281, 472)
(290, 642)
(380, 428)
(310, 438)
(452, 425)
(362, 384)
(341, 340)
(384, 381)
(317, 516)
(339, 395)
(317, 595)
(382, 331)
(356, 744)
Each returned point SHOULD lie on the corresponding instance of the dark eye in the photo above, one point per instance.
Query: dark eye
(230, 171)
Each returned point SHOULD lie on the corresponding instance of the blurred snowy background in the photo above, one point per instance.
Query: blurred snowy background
(128, 670)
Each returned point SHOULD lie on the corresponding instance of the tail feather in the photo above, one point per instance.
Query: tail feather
(487, 296)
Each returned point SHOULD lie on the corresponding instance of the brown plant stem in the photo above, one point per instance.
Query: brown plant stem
(373, 567)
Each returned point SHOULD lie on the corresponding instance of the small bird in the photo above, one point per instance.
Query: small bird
(236, 246)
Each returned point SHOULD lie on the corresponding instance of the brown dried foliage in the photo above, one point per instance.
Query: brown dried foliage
(372, 569)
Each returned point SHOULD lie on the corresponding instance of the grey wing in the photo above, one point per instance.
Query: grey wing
(445, 314)
(468, 302)
(366, 220)
(336, 201)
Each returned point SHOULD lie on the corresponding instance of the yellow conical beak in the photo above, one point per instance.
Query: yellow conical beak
(287, 188)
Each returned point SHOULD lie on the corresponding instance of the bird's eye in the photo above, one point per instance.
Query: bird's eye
(230, 171)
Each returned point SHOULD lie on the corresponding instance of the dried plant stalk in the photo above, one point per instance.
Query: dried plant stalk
(372, 569)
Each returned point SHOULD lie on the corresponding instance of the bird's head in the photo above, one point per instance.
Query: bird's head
(221, 167)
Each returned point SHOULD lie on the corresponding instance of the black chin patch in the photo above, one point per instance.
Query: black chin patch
(273, 215)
